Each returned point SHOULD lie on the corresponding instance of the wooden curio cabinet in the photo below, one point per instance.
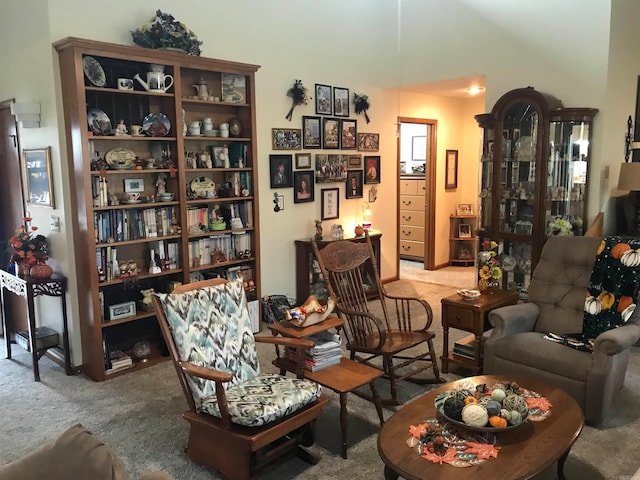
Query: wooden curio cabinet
(534, 177)
(158, 204)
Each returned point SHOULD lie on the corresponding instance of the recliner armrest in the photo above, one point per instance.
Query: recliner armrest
(512, 319)
(617, 340)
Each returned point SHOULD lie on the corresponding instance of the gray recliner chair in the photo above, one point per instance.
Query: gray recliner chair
(557, 293)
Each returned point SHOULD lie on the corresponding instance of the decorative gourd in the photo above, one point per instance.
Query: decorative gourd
(592, 305)
(619, 249)
(624, 303)
(606, 299)
(630, 258)
(470, 400)
(497, 422)
(601, 247)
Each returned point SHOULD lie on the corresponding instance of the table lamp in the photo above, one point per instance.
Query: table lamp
(630, 180)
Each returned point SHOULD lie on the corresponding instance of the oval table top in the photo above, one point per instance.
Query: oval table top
(525, 451)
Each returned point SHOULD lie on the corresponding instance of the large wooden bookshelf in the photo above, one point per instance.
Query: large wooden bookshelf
(187, 242)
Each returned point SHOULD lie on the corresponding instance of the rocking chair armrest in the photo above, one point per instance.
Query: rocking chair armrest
(287, 342)
(204, 372)
(382, 331)
(427, 307)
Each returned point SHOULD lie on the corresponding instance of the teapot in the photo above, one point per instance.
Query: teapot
(156, 81)
(201, 89)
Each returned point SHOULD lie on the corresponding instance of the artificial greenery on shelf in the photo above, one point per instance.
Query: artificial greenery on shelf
(164, 31)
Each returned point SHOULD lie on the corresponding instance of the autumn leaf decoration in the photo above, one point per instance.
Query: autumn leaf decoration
(298, 94)
(361, 104)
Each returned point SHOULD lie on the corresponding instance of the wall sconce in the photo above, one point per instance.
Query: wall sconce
(28, 114)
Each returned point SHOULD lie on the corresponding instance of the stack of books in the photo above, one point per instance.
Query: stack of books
(118, 360)
(465, 346)
(327, 351)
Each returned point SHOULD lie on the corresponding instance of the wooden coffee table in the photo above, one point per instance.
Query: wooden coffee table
(525, 451)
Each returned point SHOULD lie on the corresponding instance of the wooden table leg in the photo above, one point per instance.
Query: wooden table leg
(343, 422)
(5, 322)
(376, 401)
(445, 349)
(32, 335)
(389, 473)
(561, 461)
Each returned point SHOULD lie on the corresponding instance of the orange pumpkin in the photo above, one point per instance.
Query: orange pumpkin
(624, 303)
(606, 299)
(470, 400)
(619, 249)
(497, 422)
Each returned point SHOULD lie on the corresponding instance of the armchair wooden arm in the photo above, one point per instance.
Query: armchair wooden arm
(218, 377)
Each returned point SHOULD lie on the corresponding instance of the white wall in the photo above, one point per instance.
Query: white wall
(558, 47)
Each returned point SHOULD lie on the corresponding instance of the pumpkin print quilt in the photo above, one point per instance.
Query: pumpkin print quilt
(613, 287)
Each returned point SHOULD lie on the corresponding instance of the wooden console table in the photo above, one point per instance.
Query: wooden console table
(30, 288)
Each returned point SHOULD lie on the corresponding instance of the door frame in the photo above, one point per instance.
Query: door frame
(430, 189)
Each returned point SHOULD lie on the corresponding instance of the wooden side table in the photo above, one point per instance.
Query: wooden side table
(342, 378)
(470, 316)
(29, 288)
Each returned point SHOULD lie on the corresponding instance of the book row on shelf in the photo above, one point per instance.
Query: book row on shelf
(465, 346)
(220, 248)
(326, 352)
(135, 224)
(163, 255)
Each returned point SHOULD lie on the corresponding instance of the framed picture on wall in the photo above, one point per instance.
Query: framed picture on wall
(419, 148)
(368, 142)
(348, 134)
(451, 170)
(286, 138)
(280, 170)
(303, 183)
(330, 206)
(36, 170)
(331, 133)
(340, 102)
(324, 100)
(372, 167)
(354, 184)
(303, 160)
(311, 132)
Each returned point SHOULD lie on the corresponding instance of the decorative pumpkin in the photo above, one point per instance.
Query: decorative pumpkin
(592, 305)
(624, 303)
(470, 400)
(627, 312)
(497, 422)
(601, 247)
(606, 299)
(630, 258)
(41, 271)
(619, 249)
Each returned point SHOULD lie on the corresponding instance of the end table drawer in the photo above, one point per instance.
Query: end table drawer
(460, 318)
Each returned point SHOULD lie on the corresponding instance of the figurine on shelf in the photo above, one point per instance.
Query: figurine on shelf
(121, 129)
(153, 266)
(318, 236)
(160, 184)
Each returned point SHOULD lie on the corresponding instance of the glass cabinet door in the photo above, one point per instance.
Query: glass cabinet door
(486, 179)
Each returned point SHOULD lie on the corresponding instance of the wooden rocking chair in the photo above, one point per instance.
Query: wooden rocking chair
(234, 429)
(347, 267)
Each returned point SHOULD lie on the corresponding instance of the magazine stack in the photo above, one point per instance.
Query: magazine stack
(327, 351)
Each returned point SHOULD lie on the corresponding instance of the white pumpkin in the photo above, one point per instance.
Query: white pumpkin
(626, 313)
(592, 305)
(630, 258)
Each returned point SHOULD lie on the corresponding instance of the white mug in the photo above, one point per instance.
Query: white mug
(133, 196)
(207, 124)
(224, 129)
(125, 84)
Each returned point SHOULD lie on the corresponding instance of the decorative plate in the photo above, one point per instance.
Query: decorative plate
(99, 122)
(203, 187)
(156, 125)
(120, 158)
(468, 294)
(93, 70)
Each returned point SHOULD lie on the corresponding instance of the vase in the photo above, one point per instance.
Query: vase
(489, 285)
(41, 271)
(23, 269)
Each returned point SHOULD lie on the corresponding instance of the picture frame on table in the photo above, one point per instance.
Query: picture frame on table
(354, 185)
(348, 134)
(280, 171)
(372, 169)
(330, 203)
(303, 160)
(340, 102)
(451, 170)
(311, 132)
(324, 99)
(286, 138)
(463, 209)
(36, 172)
(368, 142)
(464, 230)
(304, 185)
(330, 133)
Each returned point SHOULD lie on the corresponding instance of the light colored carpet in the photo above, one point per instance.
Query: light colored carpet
(139, 416)
(459, 277)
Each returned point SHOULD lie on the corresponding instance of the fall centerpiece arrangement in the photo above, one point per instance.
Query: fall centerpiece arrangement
(29, 250)
(164, 31)
(489, 270)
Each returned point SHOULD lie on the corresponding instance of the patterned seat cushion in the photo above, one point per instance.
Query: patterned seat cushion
(211, 328)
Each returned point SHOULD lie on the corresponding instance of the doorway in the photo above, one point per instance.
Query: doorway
(416, 154)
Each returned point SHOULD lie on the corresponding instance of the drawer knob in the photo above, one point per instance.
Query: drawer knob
(405, 248)
(408, 234)
(407, 202)
(404, 217)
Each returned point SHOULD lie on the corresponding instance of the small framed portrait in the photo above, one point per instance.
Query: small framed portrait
(372, 167)
(324, 100)
(132, 185)
(464, 209)
(280, 170)
(330, 206)
(354, 162)
(340, 102)
(451, 174)
(303, 182)
(303, 160)
(348, 134)
(331, 133)
(368, 142)
(354, 184)
(464, 230)
(286, 138)
(36, 171)
(311, 132)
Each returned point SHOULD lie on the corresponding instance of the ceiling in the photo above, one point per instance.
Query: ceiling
(454, 87)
